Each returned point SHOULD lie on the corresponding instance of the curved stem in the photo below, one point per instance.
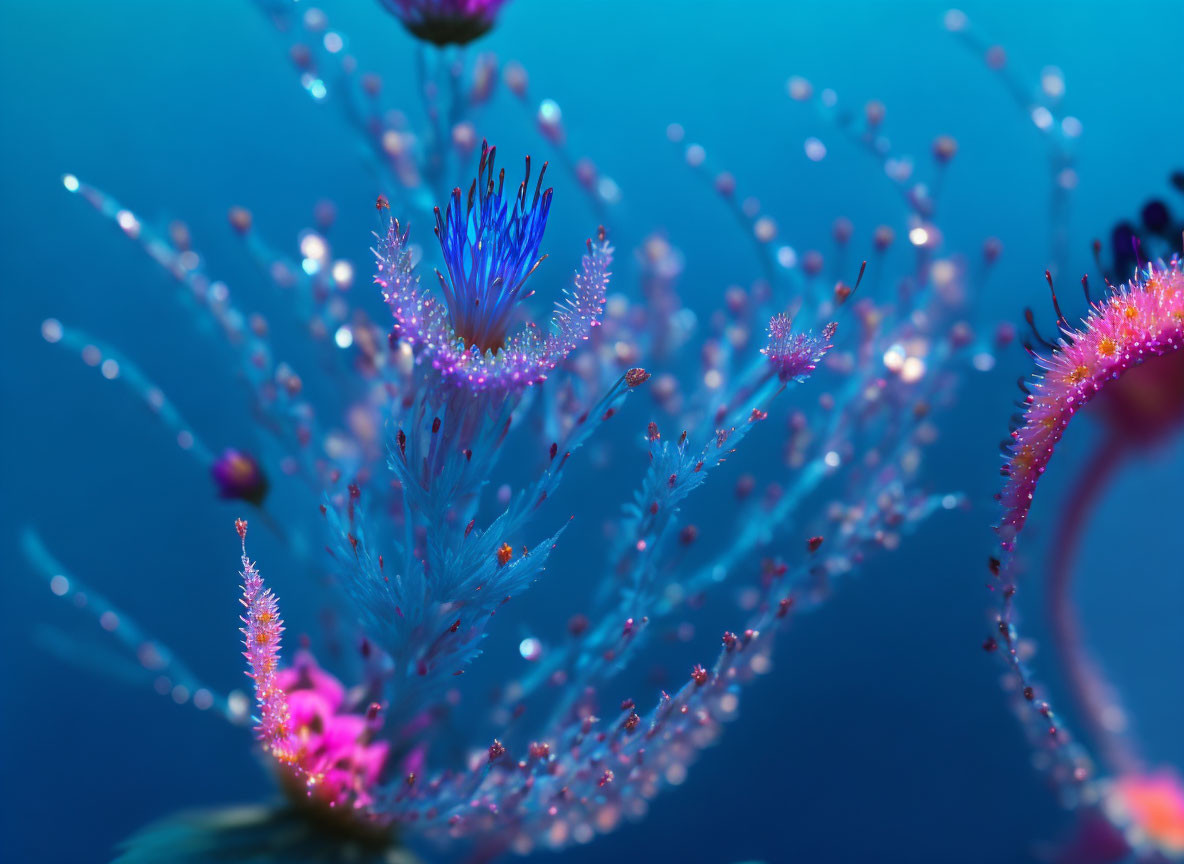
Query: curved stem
(1087, 684)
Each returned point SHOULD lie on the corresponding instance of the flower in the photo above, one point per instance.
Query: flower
(793, 356)
(239, 476)
(445, 22)
(489, 250)
(325, 751)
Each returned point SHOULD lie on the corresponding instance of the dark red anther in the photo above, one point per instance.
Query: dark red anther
(682, 439)
(729, 639)
(699, 675)
(698, 467)
(652, 431)
(379, 562)
(382, 203)
(435, 425)
(606, 777)
(757, 414)
(554, 450)
(577, 624)
(653, 508)
(373, 711)
(813, 543)
(469, 527)
(627, 704)
(364, 647)
(990, 645)
(401, 437)
(410, 780)
(455, 626)
(672, 480)
(353, 541)
(1029, 693)
(240, 525)
(496, 750)
(784, 606)
(627, 630)
(688, 534)
(993, 564)
(608, 414)
(323, 510)
(636, 376)
(354, 492)
(468, 455)
(631, 722)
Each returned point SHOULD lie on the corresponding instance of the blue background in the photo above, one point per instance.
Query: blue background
(882, 734)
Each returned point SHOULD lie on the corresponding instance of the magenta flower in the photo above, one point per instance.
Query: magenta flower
(445, 22)
(793, 356)
(327, 759)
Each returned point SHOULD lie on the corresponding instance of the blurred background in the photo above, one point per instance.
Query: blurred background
(882, 734)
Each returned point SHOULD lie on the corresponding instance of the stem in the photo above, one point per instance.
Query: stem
(1088, 686)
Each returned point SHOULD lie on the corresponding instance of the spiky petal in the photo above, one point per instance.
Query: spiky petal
(262, 631)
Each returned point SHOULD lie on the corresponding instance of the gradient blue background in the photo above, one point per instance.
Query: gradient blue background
(882, 734)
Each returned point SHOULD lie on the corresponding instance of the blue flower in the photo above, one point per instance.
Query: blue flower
(489, 251)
